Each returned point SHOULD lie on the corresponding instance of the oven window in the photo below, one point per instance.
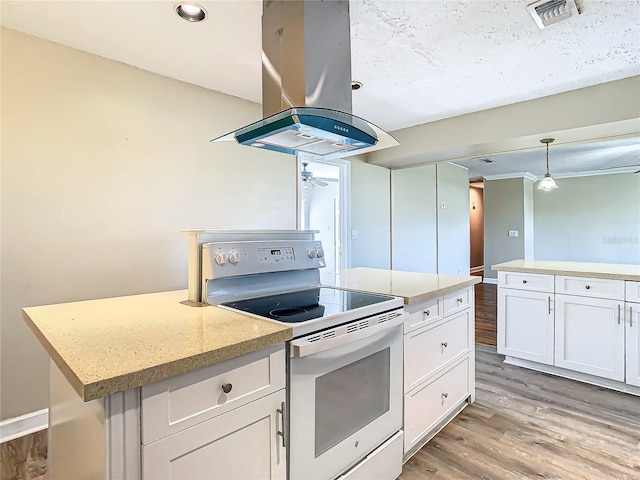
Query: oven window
(351, 397)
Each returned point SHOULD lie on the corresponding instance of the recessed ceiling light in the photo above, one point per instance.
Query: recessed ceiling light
(356, 85)
(191, 12)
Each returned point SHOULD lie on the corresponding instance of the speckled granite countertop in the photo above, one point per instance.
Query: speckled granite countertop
(413, 287)
(616, 271)
(111, 345)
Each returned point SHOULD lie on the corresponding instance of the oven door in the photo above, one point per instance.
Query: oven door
(345, 388)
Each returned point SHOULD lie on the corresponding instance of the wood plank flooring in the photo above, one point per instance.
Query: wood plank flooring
(526, 424)
(486, 313)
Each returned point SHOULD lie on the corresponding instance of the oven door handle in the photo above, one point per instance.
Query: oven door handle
(303, 347)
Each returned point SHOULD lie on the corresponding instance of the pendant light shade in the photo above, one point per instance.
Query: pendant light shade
(547, 183)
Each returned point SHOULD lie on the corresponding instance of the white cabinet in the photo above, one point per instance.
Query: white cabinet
(590, 336)
(525, 325)
(439, 360)
(525, 316)
(225, 421)
(241, 444)
(632, 314)
(584, 328)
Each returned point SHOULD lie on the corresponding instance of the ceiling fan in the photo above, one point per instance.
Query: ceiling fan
(309, 179)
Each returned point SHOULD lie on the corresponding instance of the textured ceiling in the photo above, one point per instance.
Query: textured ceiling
(612, 156)
(419, 60)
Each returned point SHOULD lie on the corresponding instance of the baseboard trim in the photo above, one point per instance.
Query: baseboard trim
(492, 281)
(17, 427)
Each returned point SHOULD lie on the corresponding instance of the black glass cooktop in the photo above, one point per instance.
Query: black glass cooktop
(303, 305)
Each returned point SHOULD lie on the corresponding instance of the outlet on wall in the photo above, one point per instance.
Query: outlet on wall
(513, 233)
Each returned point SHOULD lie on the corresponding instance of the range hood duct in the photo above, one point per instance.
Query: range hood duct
(306, 85)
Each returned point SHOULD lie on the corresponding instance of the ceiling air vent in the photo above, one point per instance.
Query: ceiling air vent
(548, 12)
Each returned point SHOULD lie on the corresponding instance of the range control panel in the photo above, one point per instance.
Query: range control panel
(230, 259)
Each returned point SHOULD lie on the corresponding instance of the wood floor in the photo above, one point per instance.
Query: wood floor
(526, 424)
(486, 317)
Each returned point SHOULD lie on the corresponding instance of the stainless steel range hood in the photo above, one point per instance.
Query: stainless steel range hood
(306, 85)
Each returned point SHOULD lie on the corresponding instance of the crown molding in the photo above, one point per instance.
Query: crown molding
(505, 176)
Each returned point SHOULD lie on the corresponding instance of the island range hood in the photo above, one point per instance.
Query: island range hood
(306, 85)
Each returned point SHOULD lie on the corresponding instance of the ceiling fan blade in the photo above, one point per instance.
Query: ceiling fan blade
(326, 179)
(315, 181)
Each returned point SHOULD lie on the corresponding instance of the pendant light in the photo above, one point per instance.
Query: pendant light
(548, 183)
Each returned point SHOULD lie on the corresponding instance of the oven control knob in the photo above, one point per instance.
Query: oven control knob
(320, 253)
(220, 260)
(312, 253)
(234, 258)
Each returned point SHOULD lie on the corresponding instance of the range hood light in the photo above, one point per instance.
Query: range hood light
(191, 12)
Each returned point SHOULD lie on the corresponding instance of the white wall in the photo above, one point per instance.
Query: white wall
(103, 164)
(453, 220)
(414, 219)
(589, 219)
(370, 215)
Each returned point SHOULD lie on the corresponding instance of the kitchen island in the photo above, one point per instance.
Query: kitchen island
(140, 380)
(573, 319)
(439, 344)
(111, 357)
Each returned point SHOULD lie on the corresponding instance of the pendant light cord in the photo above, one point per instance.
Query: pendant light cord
(547, 158)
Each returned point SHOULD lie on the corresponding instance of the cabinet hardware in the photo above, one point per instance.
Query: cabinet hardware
(444, 344)
(588, 287)
(524, 281)
(459, 300)
(427, 313)
(226, 387)
(445, 395)
(549, 305)
(618, 314)
(281, 411)
(630, 316)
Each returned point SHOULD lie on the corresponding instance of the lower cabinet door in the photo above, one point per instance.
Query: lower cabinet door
(525, 325)
(590, 336)
(240, 444)
(428, 404)
(633, 343)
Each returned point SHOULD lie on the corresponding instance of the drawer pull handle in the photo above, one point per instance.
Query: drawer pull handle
(427, 313)
(630, 316)
(459, 300)
(618, 314)
(282, 412)
(588, 287)
(524, 281)
(226, 387)
(444, 344)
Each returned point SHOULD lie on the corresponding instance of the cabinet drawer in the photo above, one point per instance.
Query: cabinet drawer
(430, 348)
(536, 282)
(457, 301)
(429, 313)
(426, 405)
(176, 403)
(590, 287)
(632, 292)
(242, 444)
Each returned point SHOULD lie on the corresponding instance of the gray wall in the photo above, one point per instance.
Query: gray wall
(414, 219)
(370, 215)
(589, 219)
(503, 211)
(103, 164)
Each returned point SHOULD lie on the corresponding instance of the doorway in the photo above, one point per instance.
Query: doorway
(476, 218)
(324, 206)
